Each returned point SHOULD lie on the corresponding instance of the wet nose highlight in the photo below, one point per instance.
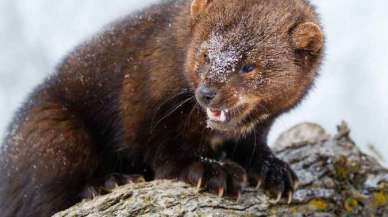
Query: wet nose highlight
(206, 94)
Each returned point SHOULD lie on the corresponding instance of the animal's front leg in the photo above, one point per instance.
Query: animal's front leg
(264, 169)
(220, 177)
(273, 175)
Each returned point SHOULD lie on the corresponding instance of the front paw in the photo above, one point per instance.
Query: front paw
(219, 177)
(275, 177)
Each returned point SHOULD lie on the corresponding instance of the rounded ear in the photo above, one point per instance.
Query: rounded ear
(307, 36)
(198, 6)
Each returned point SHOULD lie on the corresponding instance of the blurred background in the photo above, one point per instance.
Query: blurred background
(353, 86)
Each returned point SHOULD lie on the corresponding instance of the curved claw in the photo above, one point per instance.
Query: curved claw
(94, 195)
(278, 198)
(259, 182)
(290, 196)
(199, 184)
(296, 185)
(244, 180)
(238, 197)
(221, 192)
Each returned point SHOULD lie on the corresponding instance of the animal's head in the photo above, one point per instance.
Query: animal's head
(250, 60)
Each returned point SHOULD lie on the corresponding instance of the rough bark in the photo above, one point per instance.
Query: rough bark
(337, 179)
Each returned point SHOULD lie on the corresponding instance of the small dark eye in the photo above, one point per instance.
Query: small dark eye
(206, 58)
(248, 68)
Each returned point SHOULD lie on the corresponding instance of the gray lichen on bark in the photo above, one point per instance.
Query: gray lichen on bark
(336, 179)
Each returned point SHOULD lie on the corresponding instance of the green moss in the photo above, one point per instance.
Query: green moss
(272, 211)
(345, 170)
(379, 199)
(318, 204)
(293, 210)
(351, 204)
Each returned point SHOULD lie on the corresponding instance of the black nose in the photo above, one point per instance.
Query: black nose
(206, 95)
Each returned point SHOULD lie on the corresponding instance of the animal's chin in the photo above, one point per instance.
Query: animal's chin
(229, 121)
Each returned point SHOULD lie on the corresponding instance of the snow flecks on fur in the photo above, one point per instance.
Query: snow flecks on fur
(227, 52)
(224, 58)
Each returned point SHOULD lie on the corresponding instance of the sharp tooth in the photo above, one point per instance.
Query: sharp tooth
(223, 116)
(210, 114)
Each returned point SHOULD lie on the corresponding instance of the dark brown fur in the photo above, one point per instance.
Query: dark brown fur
(124, 103)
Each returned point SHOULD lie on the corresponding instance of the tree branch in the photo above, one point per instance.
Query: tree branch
(336, 179)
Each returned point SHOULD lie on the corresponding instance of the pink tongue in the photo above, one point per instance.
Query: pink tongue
(216, 113)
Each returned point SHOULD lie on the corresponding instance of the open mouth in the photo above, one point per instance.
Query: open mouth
(225, 118)
(218, 115)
